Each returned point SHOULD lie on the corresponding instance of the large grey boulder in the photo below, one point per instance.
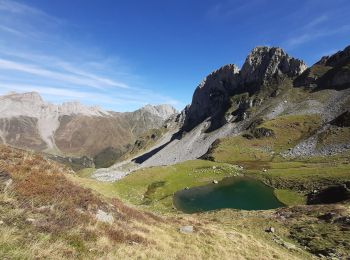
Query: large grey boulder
(186, 229)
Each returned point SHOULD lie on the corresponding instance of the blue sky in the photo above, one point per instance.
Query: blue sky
(122, 55)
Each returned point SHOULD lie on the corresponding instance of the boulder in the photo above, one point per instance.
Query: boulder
(186, 229)
(262, 132)
(104, 217)
(270, 230)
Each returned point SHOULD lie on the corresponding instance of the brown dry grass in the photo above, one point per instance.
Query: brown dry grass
(46, 216)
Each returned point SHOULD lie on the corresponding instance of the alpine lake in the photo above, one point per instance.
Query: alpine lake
(233, 192)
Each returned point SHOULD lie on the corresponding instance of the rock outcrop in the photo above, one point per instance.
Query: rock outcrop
(331, 72)
(336, 59)
(264, 63)
(211, 97)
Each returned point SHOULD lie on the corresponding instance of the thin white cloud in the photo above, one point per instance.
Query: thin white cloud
(63, 70)
(317, 21)
(312, 35)
(84, 80)
(11, 30)
(107, 82)
(229, 8)
(15, 7)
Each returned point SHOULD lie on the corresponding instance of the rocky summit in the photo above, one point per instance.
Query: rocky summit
(264, 63)
(230, 102)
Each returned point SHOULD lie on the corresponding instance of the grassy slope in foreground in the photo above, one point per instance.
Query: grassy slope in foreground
(44, 215)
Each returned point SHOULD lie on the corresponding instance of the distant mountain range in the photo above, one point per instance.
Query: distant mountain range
(72, 129)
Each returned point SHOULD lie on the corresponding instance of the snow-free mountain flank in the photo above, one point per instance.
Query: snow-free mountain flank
(27, 121)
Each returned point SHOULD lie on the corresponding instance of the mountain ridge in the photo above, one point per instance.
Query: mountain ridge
(229, 102)
(27, 121)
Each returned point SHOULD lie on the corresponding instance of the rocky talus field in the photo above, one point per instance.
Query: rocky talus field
(275, 120)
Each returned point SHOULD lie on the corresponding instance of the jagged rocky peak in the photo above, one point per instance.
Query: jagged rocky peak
(336, 58)
(263, 63)
(32, 97)
(163, 111)
(31, 104)
(329, 72)
(221, 76)
(212, 95)
(75, 107)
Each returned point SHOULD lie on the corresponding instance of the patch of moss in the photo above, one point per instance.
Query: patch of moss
(85, 173)
(289, 197)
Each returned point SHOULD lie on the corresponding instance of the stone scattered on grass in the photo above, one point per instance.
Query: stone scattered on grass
(270, 230)
(104, 217)
(215, 182)
(30, 220)
(186, 229)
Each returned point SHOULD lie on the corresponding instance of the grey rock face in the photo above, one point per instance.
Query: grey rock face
(211, 97)
(336, 58)
(264, 62)
(148, 117)
(329, 72)
(163, 111)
